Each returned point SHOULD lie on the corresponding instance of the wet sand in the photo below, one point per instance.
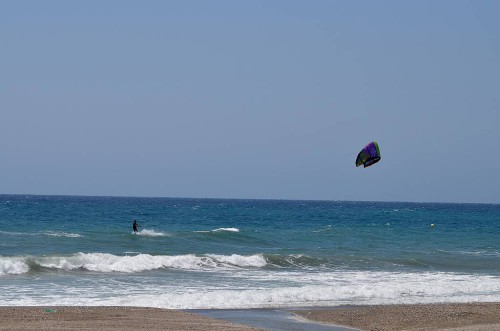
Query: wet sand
(452, 317)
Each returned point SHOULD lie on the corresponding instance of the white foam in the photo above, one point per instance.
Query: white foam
(227, 229)
(287, 289)
(151, 233)
(17, 233)
(335, 289)
(473, 253)
(62, 234)
(221, 229)
(13, 266)
(257, 261)
(104, 262)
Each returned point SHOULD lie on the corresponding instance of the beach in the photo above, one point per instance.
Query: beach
(430, 317)
(452, 316)
(108, 318)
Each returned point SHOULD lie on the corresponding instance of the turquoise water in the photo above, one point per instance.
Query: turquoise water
(209, 253)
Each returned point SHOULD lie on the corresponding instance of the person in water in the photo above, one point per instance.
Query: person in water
(134, 226)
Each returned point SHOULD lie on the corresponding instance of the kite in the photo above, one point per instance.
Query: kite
(369, 155)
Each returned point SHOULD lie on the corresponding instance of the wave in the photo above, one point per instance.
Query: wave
(267, 290)
(220, 230)
(151, 233)
(482, 252)
(13, 266)
(256, 261)
(334, 289)
(136, 262)
(104, 262)
(133, 262)
(62, 234)
(48, 233)
(17, 233)
(296, 260)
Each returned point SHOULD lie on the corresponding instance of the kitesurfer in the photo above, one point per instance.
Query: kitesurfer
(134, 226)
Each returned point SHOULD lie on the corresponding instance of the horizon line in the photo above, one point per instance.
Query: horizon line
(236, 198)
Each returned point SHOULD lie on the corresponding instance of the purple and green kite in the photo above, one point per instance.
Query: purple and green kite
(369, 155)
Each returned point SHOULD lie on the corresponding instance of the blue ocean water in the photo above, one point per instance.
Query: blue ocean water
(210, 253)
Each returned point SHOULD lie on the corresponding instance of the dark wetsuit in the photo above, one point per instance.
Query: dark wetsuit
(134, 226)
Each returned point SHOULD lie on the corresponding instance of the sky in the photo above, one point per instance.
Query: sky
(251, 99)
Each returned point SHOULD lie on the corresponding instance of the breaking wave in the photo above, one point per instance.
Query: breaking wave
(104, 262)
(273, 289)
(13, 266)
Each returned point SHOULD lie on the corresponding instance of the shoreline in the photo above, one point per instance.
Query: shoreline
(484, 316)
(273, 319)
(430, 317)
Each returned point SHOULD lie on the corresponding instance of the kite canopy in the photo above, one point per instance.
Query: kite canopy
(369, 155)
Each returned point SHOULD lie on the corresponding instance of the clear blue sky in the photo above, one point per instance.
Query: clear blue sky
(251, 99)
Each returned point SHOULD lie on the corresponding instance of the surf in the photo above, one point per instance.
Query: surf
(110, 263)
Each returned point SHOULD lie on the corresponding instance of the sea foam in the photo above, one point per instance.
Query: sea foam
(151, 233)
(297, 290)
(105, 262)
(13, 266)
(220, 230)
(62, 234)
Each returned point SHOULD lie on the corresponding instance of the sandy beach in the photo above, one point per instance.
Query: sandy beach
(108, 318)
(461, 316)
(450, 317)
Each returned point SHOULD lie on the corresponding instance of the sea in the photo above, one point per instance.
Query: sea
(239, 254)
